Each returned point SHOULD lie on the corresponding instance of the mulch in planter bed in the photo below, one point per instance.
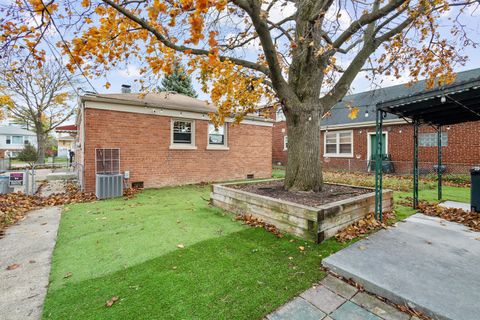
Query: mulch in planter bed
(330, 192)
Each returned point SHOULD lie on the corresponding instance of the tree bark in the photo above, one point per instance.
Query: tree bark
(41, 141)
(304, 166)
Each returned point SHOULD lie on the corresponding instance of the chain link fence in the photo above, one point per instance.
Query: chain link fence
(397, 167)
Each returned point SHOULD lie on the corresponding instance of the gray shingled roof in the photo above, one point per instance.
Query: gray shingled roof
(369, 99)
(14, 130)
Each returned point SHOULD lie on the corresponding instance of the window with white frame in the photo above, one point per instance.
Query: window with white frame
(217, 135)
(183, 132)
(339, 143)
(15, 140)
(285, 142)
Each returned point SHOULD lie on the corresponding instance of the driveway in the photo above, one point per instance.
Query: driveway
(425, 262)
(26, 249)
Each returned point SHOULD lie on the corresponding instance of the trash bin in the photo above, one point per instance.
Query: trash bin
(4, 185)
(475, 189)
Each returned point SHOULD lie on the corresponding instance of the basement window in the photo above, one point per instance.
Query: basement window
(107, 161)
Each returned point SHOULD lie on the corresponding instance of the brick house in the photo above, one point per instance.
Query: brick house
(346, 143)
(164, 139)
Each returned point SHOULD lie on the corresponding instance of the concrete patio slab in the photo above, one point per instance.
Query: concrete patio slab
(28, 245)
(425, 262)
(297, 309)
(456, 205)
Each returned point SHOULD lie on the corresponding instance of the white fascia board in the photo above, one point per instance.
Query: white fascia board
(167, 112)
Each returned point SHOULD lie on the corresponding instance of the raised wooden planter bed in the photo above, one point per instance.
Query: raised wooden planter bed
(307, 222)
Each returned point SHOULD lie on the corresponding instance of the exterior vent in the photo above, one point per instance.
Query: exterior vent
(109, 186)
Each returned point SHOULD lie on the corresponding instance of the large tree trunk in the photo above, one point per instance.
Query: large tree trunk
(41, 141)
(304, 166)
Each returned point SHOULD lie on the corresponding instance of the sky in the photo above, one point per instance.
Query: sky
(472, 24)
(129, 73)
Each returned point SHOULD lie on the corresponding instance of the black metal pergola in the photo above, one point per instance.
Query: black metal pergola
(439, 107)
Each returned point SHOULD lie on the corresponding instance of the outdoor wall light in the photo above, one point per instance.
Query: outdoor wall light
(366, 113)
(443, 99)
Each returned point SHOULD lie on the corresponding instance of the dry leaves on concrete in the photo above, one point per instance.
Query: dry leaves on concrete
(256, 222)
(13, 266)
(363, 226)
(467, 218)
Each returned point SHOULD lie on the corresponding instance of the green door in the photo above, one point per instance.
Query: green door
(373, 145)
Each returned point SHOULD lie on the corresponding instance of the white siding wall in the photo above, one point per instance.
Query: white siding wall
(5, 146)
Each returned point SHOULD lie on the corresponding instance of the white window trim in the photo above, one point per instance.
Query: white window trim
(369, 143)
(11, 140)
(285, 142)
(337, 155)
(225, 139)
(182, 146)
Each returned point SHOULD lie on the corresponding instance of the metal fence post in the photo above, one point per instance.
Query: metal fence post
(415, 164)
(439, 162)
(378, 166)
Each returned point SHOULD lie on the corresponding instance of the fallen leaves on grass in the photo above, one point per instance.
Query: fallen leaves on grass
(180, 246)
(13, 266)
(112, 300)
(67, 275)
(363, 226)
(258, 223)
(14, 206)
(301, 248)
(467, 218)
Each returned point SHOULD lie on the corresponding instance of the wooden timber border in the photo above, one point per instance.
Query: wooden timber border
(309, 223)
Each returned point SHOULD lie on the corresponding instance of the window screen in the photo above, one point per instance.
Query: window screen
(107, 161)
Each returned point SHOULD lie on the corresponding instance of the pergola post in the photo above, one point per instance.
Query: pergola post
(439, 162)
(378, 165)
(415, 164)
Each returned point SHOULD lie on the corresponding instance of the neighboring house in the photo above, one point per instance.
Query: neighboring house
(13, 139)
(65, 139)
(163, 139)
(347, 143)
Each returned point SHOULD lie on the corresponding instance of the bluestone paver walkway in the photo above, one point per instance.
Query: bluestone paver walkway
(28, 244)
(334, 299)
(426, 262)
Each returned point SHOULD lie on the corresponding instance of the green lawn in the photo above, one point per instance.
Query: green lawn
(225, 270)
(130, 249)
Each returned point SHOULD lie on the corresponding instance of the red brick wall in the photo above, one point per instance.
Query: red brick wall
(144, 142)
(463, 144)
(279, 155)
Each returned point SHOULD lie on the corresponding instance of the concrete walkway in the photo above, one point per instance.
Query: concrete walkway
(428, 263)
(28, 244)
(337, 300)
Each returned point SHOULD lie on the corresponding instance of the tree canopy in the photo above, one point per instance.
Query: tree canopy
(302, 55)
